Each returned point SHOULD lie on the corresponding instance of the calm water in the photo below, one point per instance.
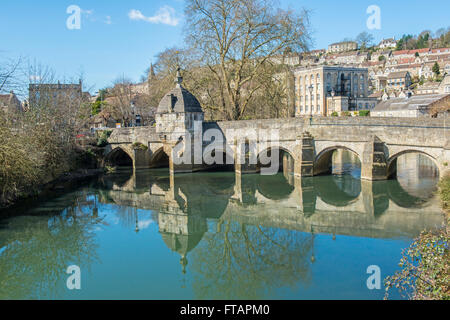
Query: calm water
(217, 236)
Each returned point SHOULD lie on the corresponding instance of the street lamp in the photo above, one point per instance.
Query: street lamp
(311, 88)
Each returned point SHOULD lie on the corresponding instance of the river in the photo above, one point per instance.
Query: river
(217, 235)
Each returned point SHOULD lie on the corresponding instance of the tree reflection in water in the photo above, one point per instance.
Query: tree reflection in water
(249, 262)
(36, 251)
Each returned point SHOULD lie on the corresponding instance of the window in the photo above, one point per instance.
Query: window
(318, 108)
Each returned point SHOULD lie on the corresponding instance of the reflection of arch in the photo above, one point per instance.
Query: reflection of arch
(338, 191)
(392, 162)
(119, 157)
(160, 159)
(211, 197)
(323, 162)
(402, 198)
(274, 187)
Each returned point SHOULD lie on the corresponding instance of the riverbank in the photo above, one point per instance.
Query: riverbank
(444, 192)
(63, 182)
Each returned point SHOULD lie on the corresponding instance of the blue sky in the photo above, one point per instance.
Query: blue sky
(111, 42)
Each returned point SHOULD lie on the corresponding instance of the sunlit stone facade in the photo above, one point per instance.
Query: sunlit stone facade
(348, 83)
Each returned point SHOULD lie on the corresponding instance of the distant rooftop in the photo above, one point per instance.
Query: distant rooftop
(413, 103)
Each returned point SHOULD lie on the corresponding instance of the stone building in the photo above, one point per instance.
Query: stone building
(10, 103)
(444, 87)
(387, 43)
(411, 106)
(54, 94)
(351, 58)
(178, 119)
(145, 87)
(399, 80)
(428, 88)
(348, 88)
(342, 46)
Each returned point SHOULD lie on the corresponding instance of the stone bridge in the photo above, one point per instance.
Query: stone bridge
(377, 142)
(181, 132)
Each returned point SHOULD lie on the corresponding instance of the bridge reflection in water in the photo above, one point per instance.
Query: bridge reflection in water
(240, 236)
(340, 204)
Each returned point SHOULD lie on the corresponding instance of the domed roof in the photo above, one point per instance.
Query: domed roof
(181, 243)
(179, 100)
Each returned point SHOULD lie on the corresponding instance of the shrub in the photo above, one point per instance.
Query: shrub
(444, 191)
(346, 114)
(103, 138)
(139, 146)
(364, 113)
(425, 273)
(334, 114)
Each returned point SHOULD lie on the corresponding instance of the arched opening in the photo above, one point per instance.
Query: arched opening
(160, 159)
(225, 164)
(277, 160)
(338, 160)
(119, 158)
(416, 172)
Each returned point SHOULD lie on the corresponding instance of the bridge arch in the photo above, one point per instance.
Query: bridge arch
(159, 159)
(119, 157)
(286, 160)
(392, 161)
(323, 161)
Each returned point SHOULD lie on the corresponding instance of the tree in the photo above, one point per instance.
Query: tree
(9, 74)
(422, 40)
(365, 40)
(119, 102)
(436, 69)
(237, 39)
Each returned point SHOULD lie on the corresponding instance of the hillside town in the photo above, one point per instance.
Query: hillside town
(346, 79)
